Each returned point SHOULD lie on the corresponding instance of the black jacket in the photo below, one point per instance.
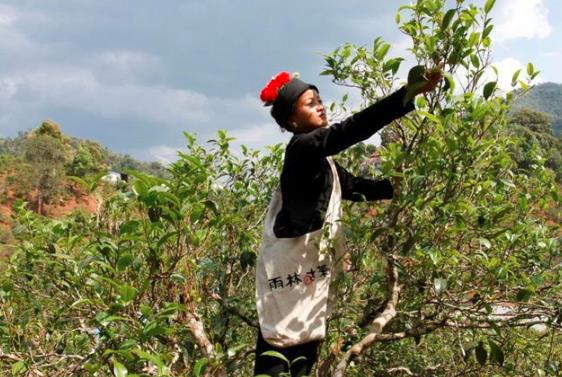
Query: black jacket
(306, 178)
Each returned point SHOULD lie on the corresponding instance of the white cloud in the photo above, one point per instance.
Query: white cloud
(521, 19)
(506, 69)
(256, 137)
(130, 107)
(553, 54)
(164, 154)
(14, 43)
(400, 46)
(108, 84)
(8, 15)
(11, 39)
(8, 88)
(78, 89)
(124, 65)
(260, 134)
(253, 137)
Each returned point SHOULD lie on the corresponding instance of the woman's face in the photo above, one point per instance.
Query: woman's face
(309, 112)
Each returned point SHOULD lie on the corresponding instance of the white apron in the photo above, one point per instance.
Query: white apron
(293, 275)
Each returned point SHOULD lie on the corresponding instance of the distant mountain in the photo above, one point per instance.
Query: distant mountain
(545, 98)
(15, 147)
(38, 166)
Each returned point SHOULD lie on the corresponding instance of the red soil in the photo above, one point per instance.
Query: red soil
(75, 199)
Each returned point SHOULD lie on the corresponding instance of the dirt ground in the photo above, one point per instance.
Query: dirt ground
(77, 200)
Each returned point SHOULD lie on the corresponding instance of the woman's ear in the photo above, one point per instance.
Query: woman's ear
(291, 122)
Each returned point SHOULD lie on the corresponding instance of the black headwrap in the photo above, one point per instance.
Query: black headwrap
(286, 99)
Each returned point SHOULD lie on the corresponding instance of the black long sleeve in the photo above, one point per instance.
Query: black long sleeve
(306, 178)
(359, 189)
(328, 141)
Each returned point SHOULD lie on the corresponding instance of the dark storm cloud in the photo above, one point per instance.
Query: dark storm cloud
(134, 74)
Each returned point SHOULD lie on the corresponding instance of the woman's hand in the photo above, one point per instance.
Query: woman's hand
(432, 78)
(422, 80)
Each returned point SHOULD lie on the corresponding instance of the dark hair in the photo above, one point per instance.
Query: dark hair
(285, 102)
(284, 126)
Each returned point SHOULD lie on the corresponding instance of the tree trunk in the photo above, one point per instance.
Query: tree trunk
(40, 203)
(378, 323)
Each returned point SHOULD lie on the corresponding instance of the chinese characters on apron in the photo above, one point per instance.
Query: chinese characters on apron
(293, 275)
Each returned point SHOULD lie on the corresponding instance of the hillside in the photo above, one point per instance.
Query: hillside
(545, 98)
(35, 166)
(111, 160)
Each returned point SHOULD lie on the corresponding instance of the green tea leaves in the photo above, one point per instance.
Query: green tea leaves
(489, 89)
(489, 5)
(448, 18)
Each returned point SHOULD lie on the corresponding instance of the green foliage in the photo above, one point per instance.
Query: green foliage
(128, 281)
(89, 159)
(45, 156)
(36, 165)
(534, 136)
(51, 129)
(82, 157)
(465, 225)
(123, 163)
(11, 147)
(161, 281)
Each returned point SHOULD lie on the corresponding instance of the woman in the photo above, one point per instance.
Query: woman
(302, 244)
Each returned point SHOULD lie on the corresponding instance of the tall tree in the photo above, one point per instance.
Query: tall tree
(45, 153)
(460, 239)
(90, 158)
(534, 135)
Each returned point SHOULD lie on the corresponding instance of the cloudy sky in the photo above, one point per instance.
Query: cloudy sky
(133, 75)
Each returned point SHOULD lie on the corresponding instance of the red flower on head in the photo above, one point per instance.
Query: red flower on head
(270, 91)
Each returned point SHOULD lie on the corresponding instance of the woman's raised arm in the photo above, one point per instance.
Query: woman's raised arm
(331, 140)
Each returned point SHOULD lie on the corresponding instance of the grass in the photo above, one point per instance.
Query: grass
(6, 246)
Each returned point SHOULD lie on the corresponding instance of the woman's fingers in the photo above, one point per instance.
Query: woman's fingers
(422, 80)
(434, 76)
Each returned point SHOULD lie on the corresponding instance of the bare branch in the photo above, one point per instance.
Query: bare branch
(9, 356)
(379, 323)
(400, 369)
(234, 310)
